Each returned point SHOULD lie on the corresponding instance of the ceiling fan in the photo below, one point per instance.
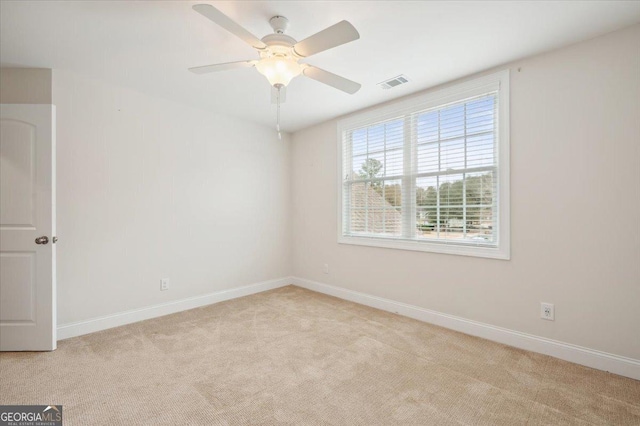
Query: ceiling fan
(280, 54)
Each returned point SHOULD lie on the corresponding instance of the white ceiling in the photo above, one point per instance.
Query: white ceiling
(148, 46)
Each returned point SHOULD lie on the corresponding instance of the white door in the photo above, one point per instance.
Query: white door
(27, 227)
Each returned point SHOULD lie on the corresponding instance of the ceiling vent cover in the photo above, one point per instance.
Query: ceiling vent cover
(393, 82)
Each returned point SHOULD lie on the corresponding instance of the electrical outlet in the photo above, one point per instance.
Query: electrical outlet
(325, 268)
(164, 284)
(547, 311)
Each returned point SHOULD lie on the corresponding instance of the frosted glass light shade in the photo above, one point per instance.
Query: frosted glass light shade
(279, 70)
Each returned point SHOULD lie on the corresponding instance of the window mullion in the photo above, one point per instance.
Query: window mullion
(408, 180)
(384, 164)
(347, 158)
(438, 180)
(464, 178)
(367, 188)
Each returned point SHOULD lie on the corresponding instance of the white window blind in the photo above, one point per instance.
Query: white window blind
(427, 173)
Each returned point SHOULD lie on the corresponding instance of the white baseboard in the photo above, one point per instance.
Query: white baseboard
(623, 366)
(79, 328)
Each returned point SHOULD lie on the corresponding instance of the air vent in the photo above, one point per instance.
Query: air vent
(395, 81)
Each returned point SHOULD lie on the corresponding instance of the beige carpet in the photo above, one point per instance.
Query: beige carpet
(291, 356)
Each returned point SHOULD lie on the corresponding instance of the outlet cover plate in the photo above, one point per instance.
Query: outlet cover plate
(164, 284)
(547, 311)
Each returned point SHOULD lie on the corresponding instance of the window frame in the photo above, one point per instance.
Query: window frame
(499, 82)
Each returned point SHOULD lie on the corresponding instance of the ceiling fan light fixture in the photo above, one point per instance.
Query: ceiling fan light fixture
(279, 69)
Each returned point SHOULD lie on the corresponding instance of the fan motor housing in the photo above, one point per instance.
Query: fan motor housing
(278, 40)
(278, 45)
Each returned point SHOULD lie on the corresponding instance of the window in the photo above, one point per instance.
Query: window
(430, 173)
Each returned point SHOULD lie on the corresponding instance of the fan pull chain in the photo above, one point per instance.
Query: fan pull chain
(278, 86)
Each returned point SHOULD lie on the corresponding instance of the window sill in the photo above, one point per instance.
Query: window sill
(502, 253)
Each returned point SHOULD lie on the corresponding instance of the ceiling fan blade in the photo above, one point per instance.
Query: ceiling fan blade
(228, 24)
(331, 79)
(274, 95)
(222, 67)
(340, 33)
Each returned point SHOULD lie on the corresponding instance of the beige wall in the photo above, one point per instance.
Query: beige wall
(149, 189)
(575, 202)
(25, 86)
